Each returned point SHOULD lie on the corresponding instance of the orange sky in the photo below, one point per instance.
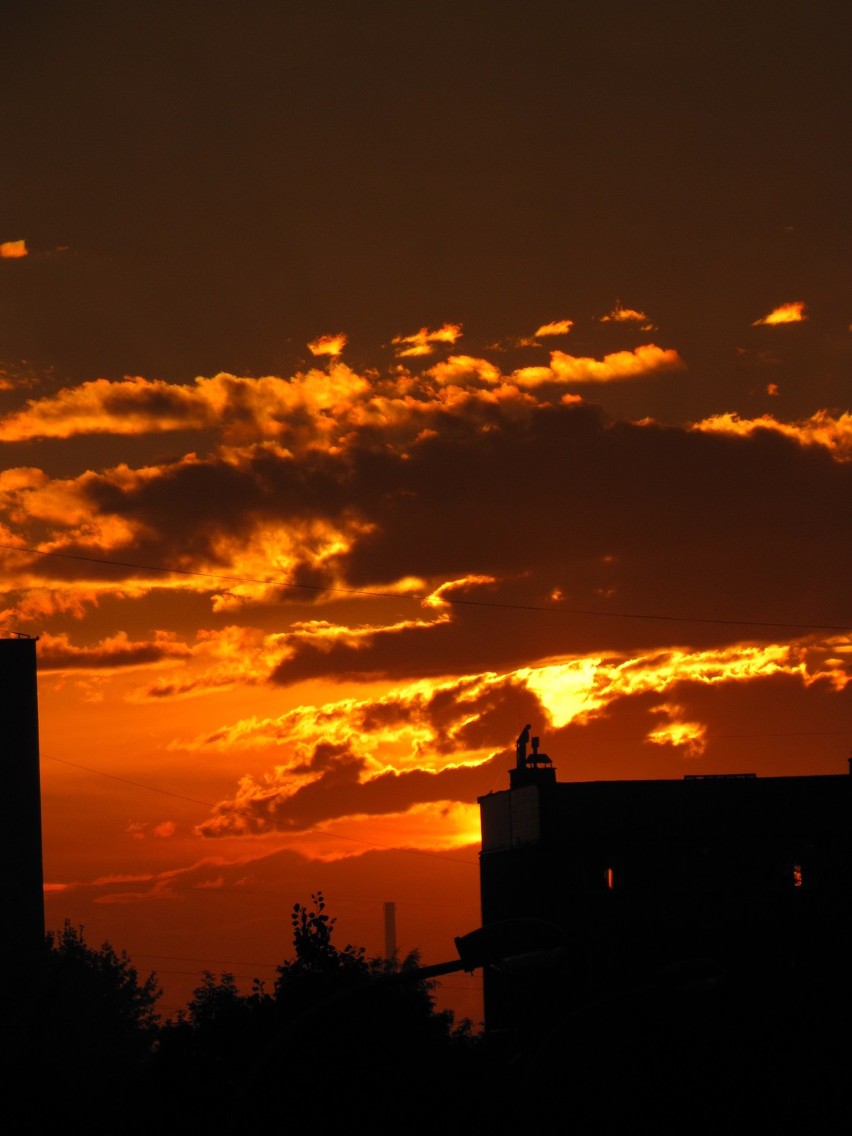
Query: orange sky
(344, 434)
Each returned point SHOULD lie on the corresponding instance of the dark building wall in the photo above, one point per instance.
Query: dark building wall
(754, 874)
(20, 832)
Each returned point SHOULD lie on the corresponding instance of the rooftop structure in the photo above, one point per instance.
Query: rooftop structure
(733, 874)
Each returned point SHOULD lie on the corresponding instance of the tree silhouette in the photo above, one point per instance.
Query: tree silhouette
(216, 1002)
(319, 970)
(353, 1030)
(100, 987)
(84, 1025)
(338, 1033)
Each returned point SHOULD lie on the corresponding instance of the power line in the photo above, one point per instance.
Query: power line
(212, 962)
(126, 781)
(645, 616)
(211, 805)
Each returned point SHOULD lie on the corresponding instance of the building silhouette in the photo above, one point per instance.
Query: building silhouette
(602, 888)
(20, 834)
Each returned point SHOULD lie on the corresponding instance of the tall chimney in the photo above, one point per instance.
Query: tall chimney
(20, 833)
(390, 934)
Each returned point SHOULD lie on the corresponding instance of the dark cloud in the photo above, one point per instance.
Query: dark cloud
(708, 534)
(136, 655)
(57, 653)
(339, 793)
(609, 517)
(772, 725)
(458, 720)
(570, 488)
(334, 762)
(730, 532)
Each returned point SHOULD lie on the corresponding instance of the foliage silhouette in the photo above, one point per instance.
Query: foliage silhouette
(338, 1028)
(101, 985)
(83, 1026)
(343, 1039)
(319, 969)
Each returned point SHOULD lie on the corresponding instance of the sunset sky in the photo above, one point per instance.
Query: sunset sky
(377, 378)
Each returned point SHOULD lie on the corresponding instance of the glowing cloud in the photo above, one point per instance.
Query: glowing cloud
(821, 429)
(328, 345)
(133, 406)
(357, 757)
(557, 327)
(785, 313)
(57, 653)
(462, 369)
(262, 560)
(247, 407)
(436, 598)
(423, 342)
(435, 826)
(13, 250)
(626, 315)
(646, 360)
(318, 409)
(691, 737)
(569, 691)
(395, 731)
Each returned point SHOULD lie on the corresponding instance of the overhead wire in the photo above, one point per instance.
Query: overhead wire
(415, 597)
(451, 601)
(300, 832)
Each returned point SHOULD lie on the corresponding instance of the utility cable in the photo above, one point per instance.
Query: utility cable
(419, 598)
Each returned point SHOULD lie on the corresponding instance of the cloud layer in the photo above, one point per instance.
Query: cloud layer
(436, 555)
